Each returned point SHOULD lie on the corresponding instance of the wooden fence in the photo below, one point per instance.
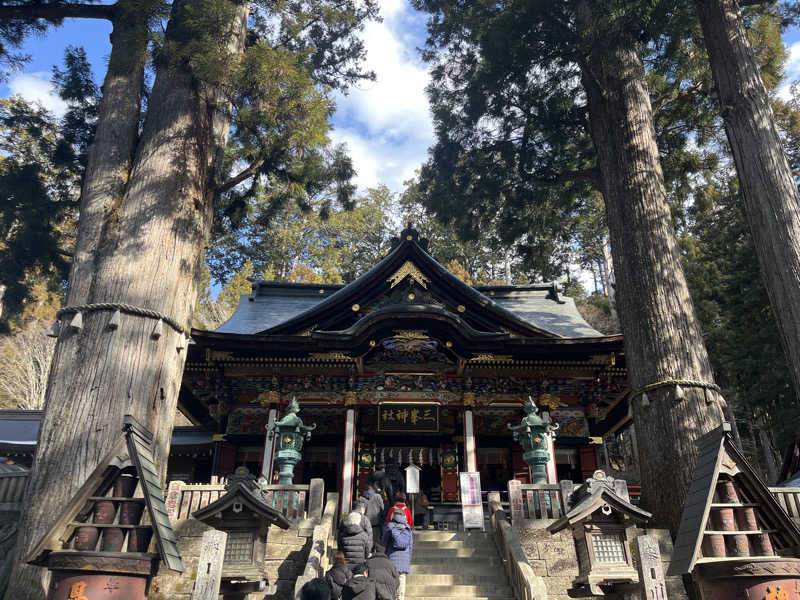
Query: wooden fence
(789, 499)
(292, 501)
(12, 490)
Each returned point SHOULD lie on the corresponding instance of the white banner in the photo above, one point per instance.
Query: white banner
(471, 503)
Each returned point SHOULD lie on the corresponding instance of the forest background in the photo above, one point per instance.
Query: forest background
(299, 233)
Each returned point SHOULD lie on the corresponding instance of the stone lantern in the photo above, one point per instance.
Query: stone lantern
(532, 434)
(600, 518)
(291, 434)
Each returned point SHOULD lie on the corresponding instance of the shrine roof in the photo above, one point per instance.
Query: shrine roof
(279, 305)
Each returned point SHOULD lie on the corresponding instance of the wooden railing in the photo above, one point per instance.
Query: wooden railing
(295, 502)
(789, 499)
(526, 584)
(323, 545)
(542, 501)
(12, 490)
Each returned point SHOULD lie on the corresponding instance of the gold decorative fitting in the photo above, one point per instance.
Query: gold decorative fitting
(492, 358)
(372, 343)
(322, 291)
(409, 238)
(550, 401)
(218, 437)
(350, 398)
(411, 296)
(355, 307)
(469, 398)
(449, 344)
(329, 356)
(461, 308)
(408, 269)
(411, 334)
(214, 355)
(491, 293)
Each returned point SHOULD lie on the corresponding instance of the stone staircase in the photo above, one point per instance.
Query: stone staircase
(449, 565)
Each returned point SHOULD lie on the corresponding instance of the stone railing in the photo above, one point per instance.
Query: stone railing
(295, 502)
(789, 499)
(323, 545)
(12, 490)
(525, 583)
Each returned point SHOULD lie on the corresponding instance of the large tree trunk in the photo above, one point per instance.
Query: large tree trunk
(771, 197)
(662, 337)
(151, 242)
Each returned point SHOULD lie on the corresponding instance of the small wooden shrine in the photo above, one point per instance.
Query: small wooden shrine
(600, 518)
(100, 543)
(243, 513)
(734, 537)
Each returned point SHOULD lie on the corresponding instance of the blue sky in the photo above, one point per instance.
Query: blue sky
(386, 124)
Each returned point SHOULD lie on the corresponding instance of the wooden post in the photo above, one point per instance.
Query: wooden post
(469, 442)
(347, 466)
(550, 468)
(651, 573)
(209, 565)
(269, 447)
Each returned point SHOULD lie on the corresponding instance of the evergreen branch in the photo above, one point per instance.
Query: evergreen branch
(56, 11)
(242, 176)
(590, 174)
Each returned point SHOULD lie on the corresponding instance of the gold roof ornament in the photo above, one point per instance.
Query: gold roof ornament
(550, 401)
(411, 334)
(408, 269)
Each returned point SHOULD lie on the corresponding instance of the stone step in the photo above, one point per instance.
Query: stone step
(462, 556)
(464, 591)
(458, 568)
(434, 553)
(492, 597)
(498, 579)
(486, 545)
(444, 536)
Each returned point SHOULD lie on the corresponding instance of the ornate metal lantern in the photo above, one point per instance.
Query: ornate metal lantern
(292, 433)
(532, 433)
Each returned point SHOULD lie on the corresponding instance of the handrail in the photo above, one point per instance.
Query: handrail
(526, 584)
(789, 499)
(322, 547)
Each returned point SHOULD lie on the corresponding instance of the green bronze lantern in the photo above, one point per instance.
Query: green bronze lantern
(532, 433)
(291, 434)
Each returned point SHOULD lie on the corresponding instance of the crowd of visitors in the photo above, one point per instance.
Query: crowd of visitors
(375, 543)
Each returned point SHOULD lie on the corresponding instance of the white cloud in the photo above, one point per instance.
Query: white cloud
(36, 87)
(792, 69)
(387, 123)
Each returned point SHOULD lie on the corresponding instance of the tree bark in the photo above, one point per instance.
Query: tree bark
(150, 244)
(771, 197)
(662, 336)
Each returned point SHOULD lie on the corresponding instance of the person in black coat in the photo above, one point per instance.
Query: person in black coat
(384, 573)
(380, 482)
(338, 575)
(353, 540)
(360, 586)
(316, 589)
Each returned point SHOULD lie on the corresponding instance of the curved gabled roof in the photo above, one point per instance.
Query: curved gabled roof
(290, 308)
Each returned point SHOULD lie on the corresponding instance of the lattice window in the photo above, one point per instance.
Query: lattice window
(239, 547)
(608, 548)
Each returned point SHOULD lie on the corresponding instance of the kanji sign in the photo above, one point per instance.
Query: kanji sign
(423, 417)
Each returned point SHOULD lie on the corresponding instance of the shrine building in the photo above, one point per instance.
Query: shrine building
(406, 364)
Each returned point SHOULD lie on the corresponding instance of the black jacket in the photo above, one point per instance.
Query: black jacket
(384, 573)
(354, 541)
(336, 577)
(359, 588)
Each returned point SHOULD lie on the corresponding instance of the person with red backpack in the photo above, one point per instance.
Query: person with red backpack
(400, 506)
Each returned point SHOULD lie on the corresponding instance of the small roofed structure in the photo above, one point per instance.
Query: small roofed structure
(599, 519)
(734, 537)
(102, 534)
(243, 513)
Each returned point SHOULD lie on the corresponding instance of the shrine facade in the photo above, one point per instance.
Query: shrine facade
(405, 365)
